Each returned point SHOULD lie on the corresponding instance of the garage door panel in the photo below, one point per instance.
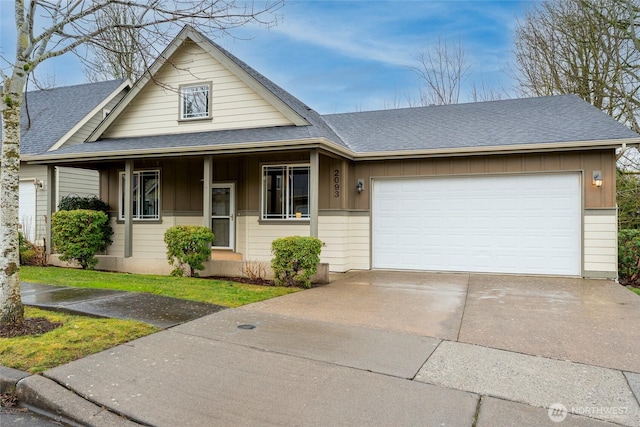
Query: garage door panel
(511, 224)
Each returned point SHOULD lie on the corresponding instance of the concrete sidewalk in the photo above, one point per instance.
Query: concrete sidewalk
(157, 310)
(338, 355)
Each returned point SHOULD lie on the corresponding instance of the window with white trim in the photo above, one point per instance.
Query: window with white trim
(285, 192)
(146, 195)
(194, 102)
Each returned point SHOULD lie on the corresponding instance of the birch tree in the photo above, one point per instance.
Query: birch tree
(45, 29)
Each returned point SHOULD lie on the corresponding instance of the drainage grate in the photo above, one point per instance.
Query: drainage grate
(246, 326)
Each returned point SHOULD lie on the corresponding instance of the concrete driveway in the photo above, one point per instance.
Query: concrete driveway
(588, 321)
(382, 348)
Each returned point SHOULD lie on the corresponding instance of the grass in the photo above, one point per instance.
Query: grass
(636, 290)
(229, 294)
(79, 336)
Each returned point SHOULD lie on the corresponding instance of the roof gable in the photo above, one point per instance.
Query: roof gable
(241, 97)
(51, 116)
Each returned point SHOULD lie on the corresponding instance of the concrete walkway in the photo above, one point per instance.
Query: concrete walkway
(376, 348)
(157, 310)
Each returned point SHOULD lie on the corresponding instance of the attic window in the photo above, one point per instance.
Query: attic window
(195, 102)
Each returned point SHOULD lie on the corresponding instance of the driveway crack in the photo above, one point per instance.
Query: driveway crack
(464, 308)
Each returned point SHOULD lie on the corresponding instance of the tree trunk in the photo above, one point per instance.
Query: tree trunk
(11, 308)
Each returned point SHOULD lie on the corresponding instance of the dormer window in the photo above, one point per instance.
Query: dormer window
(195, 101)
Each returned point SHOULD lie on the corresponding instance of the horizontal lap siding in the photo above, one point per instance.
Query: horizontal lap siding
(234, 104)
(359, 243)
(334, 233)
(148, 239)
(254, 237)
(600, 243)
(80, 182)
(83, 133)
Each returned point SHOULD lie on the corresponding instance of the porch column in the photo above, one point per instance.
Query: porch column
(128, 208)
(207, 179)
(51, 205)
(314, 182)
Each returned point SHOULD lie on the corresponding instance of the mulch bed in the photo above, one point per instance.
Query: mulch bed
(9, 404)
(30, 326)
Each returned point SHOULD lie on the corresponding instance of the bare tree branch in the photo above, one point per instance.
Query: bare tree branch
(63, 27)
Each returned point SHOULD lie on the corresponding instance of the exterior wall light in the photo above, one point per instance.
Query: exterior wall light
(360, 185)
(38, 184)
(597, 178)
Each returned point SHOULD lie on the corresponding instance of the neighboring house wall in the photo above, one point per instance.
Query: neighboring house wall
(155, 110)
(29, 173)
(79, 182)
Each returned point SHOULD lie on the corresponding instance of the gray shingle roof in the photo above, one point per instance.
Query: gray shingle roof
(553, 119)
(563, 118)
(55, 111)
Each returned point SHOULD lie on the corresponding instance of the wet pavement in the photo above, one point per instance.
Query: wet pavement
(157, 310)
(24, 419)
(374, 348)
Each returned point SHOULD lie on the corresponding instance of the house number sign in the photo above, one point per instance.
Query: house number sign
(336, 183)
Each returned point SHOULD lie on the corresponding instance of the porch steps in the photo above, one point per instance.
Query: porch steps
(221, 255)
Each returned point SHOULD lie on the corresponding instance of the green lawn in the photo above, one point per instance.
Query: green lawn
(229, 294)
(636, 290)
(79, 336)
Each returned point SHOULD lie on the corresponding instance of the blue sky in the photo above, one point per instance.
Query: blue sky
(339, 56)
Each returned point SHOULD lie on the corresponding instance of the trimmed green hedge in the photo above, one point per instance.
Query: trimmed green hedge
(93, 203)
(188, 245)
(295, 260)
(78, 235)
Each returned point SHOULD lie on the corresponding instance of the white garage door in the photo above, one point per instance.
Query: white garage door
(503, 224)
(27, 212)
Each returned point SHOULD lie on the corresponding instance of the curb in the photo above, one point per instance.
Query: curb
(9, 378)
(61, 403)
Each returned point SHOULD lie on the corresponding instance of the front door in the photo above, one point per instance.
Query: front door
(223, 209)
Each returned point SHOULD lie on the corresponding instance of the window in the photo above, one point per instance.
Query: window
(146, 195)
(194, 102)
(285, 192)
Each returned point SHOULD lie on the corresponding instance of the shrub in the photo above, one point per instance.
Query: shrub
(93, 203)
(295, 260)
(629, 257)
(188, 245)
(78, 235)
(30, 253)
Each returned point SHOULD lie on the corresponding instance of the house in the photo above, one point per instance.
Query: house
(516, 186)
(54, 118)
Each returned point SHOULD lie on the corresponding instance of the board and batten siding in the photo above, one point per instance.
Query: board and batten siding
(600, 243)
(155, 110)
